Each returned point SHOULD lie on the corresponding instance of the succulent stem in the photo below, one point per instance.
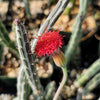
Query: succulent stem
(76, 31)
(50, 21)
(22, 39)
(27, 9)
(91, 71)
(49, 91)
(5, 40)
(92, 84)
(22, 85)
(70, 7)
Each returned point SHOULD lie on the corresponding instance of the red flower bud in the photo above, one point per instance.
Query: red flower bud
(48, 43)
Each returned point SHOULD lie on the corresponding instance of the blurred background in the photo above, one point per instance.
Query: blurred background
(33, 13)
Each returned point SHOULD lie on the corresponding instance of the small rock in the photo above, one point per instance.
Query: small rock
(73, 73)
(46, 12)
(6, 97)
(9, 55)
(89, 96)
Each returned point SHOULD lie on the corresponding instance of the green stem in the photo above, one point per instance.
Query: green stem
(24, 56)
(49, 91)
(70, 7)
(27, 9)
(23, 89)
(64, 69)
(92, 84)
(50, 21)
(5, 40)
(92, 70)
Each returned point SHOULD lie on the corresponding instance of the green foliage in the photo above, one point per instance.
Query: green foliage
(91, 71)
(23, 89)
(49, 91)
(76, 32)
(1, 51)
(5, 40)
(70, 7)
(52, 1)
(27, 9)
(92, 84)
(8, 80)
(26, 57)
(29, 72)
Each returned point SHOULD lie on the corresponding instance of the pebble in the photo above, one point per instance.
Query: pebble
(6, 97)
